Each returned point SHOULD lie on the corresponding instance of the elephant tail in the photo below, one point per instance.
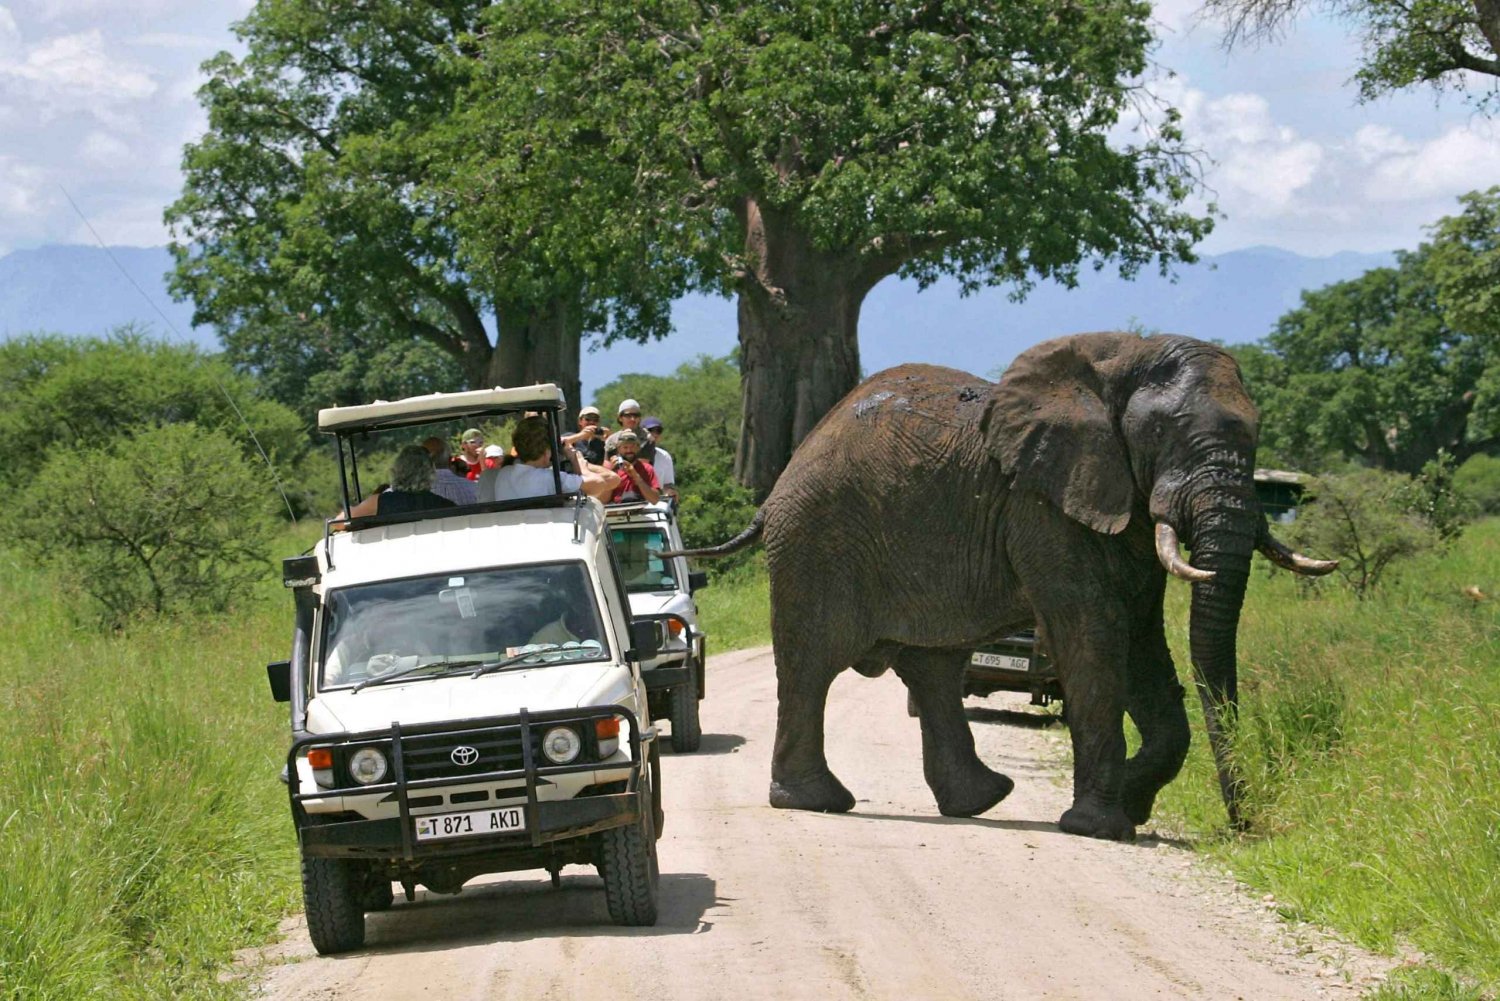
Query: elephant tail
(749, 535)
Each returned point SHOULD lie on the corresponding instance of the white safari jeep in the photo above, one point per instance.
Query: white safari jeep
(662, 590)
(466, 693)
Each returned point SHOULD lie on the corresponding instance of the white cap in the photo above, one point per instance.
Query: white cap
(627, 405)
(494, 451)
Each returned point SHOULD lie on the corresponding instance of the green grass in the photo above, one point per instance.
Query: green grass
(736, 610)
(145, 833)
(1370, 738)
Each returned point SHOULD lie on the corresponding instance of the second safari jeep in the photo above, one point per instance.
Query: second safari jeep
(662, 590)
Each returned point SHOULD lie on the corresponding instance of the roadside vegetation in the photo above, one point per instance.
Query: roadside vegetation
(143, 832)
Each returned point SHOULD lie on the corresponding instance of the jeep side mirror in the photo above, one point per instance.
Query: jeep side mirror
(279, 674)
(697, 580)
(644, 638)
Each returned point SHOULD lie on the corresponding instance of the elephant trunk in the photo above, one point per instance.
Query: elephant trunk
(1225, 527)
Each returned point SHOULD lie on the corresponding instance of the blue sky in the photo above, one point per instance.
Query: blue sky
(97, 96)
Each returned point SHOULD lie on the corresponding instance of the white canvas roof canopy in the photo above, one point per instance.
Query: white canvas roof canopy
(439, 407)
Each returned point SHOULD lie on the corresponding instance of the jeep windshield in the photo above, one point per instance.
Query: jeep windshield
(421, 628)
(642, 570)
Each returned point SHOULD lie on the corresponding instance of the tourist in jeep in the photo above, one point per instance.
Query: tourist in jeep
(530, 475)
(410, 489)
(638, 481)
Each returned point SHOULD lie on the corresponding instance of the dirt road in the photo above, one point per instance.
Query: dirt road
(890, 901)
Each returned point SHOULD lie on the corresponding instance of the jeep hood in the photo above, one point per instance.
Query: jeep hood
(437, 700)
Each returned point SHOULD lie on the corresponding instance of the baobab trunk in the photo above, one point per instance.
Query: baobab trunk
(799, 341)
(539, 344)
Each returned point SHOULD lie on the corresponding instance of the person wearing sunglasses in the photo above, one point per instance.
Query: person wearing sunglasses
(589, 438)
(629, 416)
(660, 458)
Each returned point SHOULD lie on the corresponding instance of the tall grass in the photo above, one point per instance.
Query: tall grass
(736, 610)
(143, 832)
(1370, 739)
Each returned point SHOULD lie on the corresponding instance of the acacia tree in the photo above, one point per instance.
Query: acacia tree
(1396, 366)
(796, 153)
(1406, 42)
(307, 237)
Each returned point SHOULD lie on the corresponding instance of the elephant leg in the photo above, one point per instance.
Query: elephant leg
(963, 785)
(1154, 699)
(1091, 660)
(800, 777)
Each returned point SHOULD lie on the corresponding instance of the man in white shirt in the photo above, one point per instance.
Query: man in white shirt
(530, 475)
(660, 458)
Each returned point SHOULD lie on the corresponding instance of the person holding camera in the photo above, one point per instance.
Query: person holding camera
(589, 438)
(638, 480)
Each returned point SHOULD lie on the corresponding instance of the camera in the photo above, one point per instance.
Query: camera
(598, 431)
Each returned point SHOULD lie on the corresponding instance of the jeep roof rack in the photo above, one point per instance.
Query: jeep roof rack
(433, 407)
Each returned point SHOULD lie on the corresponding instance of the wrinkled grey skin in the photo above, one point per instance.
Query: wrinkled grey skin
(932, 511)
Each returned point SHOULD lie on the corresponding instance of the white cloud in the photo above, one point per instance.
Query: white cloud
(74, 71)
(1457, 161)
(103, 149)
(22, 189)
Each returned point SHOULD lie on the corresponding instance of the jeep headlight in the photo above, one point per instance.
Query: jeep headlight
(561, 745)
(367, 766)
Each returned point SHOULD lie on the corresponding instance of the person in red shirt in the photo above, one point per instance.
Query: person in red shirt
(638, 480)
(471, 456)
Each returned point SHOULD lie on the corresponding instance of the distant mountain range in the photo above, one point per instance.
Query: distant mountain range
(1234, 297)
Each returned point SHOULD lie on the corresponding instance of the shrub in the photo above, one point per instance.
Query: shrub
(1479, 480)
(165, 519)
(60, 394)
(1364, 519)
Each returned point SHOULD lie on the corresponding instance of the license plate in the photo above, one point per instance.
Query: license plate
(505, 820)
(1003, 661)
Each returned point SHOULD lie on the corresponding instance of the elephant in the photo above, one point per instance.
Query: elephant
(931, 511)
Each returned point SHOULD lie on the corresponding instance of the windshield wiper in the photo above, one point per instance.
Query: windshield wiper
(386, 679)
(515, 658)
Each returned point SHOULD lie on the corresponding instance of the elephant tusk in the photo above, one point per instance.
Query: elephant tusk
(1166, 551)
(1287, 559)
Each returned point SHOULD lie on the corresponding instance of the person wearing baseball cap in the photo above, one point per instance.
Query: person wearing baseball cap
(629, 416)
(471, 444)
(660, 458)
(589, 438)
(638, 480)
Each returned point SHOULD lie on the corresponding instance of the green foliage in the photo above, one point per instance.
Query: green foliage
(852, 126)
(62, 395)
(1479, 480)
(1433, 495)
(1365, 520)
(164, 520)
(699, 407)
(1393, 367)
(145, 837)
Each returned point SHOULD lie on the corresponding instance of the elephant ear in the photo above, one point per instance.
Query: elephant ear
(1050, 428)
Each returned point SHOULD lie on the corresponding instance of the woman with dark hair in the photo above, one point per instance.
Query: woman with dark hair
(410, 489)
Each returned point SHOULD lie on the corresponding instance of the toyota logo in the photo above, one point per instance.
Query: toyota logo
(464, 756)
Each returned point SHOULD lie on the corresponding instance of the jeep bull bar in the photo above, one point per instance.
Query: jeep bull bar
(507, 747)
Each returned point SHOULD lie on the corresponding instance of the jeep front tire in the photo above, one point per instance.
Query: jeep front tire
(687, 731)
(332, 893)
(627, 862)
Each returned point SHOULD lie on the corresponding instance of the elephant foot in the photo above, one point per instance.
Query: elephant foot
(972, 798)
(1092, 822)
(823, 793)
(1137, 804)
